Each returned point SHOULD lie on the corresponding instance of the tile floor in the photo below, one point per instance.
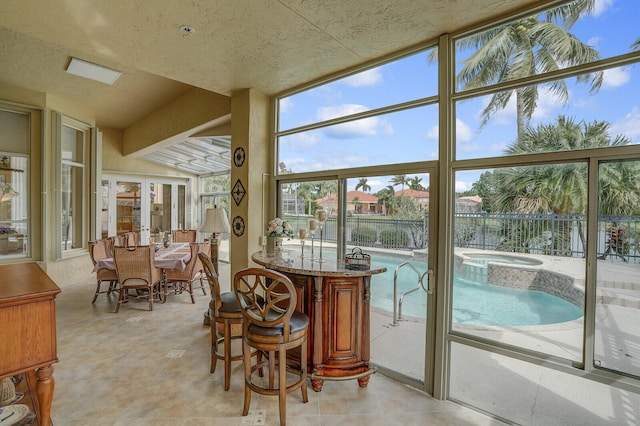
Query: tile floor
(152, 368)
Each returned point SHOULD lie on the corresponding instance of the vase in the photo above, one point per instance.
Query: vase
(275, 245)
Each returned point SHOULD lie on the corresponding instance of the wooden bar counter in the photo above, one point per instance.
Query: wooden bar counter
(336, 300)
(28, 331)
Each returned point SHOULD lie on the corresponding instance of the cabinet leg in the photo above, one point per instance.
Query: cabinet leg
(44, 390)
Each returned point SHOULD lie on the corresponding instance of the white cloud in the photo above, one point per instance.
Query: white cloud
(366, 78)
(594, 42)
(463, 132)
(463, 186)
(286, 104)
(601, 6)
(301, 142)
(335, 111)
(363, 127)
(354, 129)
(433, 133)
(615, 77)
(628, 126)
(376, 185)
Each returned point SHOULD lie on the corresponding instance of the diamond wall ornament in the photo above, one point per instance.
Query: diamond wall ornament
(238, 192)
(238, 226)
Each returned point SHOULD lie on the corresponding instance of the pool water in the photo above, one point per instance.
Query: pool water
(473, 302)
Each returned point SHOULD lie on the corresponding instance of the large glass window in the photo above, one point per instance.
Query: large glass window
(407, 79)
(519, 268)
(490, 125)
(392, 138)
(17, 237)
(74, 155)
(575, 33)
(14, 229)
(618, 267)
(382, 116)
(548, 96)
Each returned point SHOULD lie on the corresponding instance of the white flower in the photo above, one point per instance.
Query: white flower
(279, 228)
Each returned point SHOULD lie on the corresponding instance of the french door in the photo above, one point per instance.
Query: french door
(150, 206)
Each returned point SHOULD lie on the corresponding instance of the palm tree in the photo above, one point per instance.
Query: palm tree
(399, 180)
(561, 189)
(524, 48)
(385, 197)
(364, 185)
(414, 183)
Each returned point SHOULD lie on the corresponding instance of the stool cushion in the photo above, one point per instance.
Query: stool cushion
(298, 322)
(229, 303)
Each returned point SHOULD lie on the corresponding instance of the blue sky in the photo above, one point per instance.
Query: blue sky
(411, 135)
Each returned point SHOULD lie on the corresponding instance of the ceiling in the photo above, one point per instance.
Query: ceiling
(267, 45)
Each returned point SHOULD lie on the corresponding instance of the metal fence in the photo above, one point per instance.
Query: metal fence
(550, 234)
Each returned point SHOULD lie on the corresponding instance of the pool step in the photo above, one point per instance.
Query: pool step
(622, 285)
(626, 298)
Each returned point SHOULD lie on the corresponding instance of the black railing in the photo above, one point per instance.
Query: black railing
(550, 234)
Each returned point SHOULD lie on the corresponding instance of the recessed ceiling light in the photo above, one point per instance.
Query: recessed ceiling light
(92, 71)
(186, 29)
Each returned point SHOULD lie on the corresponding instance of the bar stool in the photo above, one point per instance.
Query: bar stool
(272, 325)
(223, 309)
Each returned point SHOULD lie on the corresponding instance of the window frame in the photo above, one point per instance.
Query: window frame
(86, 203)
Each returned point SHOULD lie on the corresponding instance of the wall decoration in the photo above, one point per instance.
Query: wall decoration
(238, 226)
(238, 157)
(238, 192)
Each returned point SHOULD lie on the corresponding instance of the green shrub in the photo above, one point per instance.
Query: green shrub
(394, 238)
(364, 235)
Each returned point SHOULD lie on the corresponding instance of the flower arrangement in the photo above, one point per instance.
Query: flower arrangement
(279, 228)
(6, 229)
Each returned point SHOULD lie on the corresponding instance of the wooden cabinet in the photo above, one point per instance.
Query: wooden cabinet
(28, 335)
(337, 303)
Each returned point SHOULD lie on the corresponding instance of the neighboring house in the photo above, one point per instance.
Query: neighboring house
(358, 202)
(292, 204)
(420, 197)
(470, 204)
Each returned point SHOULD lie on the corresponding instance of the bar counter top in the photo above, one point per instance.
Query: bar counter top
(292, 263)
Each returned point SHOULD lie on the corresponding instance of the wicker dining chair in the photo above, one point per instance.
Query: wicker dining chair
(100, 250)
(184, 235)
(137, 271)
(183, 280)
(226, 317)
(273, 326)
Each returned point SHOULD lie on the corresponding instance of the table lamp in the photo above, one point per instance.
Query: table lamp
(216, 221)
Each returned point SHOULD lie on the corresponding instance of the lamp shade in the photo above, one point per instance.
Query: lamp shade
(216, 221)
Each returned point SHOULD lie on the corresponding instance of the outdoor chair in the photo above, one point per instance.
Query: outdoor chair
(273, 326)
(136, 271)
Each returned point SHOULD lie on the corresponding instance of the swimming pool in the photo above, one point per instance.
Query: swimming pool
(473, 302)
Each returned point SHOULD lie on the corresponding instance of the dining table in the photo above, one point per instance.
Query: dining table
(175, 256)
